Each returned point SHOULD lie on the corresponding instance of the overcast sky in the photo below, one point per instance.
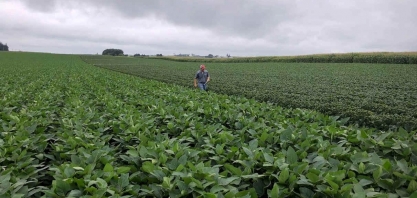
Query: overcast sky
(237, 27)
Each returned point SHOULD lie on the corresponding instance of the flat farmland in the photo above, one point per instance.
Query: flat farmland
(375, 95)
(69, 129)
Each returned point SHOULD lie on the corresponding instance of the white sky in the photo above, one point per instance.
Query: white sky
(237, 27)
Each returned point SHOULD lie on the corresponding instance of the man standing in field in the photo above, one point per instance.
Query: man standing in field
(202, 77)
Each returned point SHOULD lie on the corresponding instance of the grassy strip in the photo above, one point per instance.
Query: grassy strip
(375, 57)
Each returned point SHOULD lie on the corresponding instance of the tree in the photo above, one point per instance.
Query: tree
(113, 52)
(4, 47)
(141, 55)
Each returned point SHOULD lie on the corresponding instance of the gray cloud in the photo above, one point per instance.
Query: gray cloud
(263, 27)
(251, 19)
(41, 5)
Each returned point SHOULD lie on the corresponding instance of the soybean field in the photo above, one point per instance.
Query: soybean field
(71, 129)
(382, 96)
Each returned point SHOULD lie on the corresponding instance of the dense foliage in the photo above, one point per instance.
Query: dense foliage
(376, 95)
(379, 57)
(4, 47)
(72, 130)
(113, 52)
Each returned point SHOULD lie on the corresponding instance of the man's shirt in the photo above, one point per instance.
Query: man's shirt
(202, 76)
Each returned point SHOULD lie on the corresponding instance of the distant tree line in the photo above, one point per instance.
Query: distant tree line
(4, 47)
(143, 55)
(113, 52)
(119, 52)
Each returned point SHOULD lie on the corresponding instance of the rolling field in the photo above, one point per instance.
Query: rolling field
(69, 129)
(382, 96)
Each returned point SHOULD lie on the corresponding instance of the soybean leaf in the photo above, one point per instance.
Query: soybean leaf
(252, 176)
(359, 191)
(253, 144)
(286, 135)
(306, 192)
(275, 191)
(365, 182)
(75, 194)
(268, 157)
(402, 164)
(233, 170)
(259, 186)
(123, 181)
(209, 195)
(313, 177)
(414, 195)
(217, 188)
(148, 167)
(412, 187)
(291, 156)
(226, 181)
(101, 183)
(62, 187)
(108, 168)
(283, 176)
(69, 172)
(123, 169)
(248, 152)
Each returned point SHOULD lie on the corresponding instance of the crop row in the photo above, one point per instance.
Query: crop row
(380, 96)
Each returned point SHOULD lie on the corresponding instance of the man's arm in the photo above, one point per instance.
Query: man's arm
(195, 79)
